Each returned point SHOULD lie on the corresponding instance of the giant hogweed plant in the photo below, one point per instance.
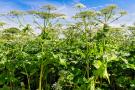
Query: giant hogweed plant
(89, 56)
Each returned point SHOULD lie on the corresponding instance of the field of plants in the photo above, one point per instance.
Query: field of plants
(87, 54)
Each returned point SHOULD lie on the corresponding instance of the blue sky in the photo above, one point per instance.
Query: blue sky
(65, 6)
(27, 4)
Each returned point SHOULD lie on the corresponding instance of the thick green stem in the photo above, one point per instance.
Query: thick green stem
(44, 25)
(88, 70)
(87, 61)
(28, 82)
(28, 78)
(41, 76)
(19, 21)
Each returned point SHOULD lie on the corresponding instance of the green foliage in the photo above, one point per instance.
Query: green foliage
(12, 30)
(91, 55)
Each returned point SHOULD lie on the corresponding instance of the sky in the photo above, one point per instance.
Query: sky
(66, 6)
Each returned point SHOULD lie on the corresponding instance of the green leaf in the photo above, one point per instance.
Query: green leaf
(5, 88)
(102, 72)
(97, 64)
(24, 73)
(91, 83)
(63, 62)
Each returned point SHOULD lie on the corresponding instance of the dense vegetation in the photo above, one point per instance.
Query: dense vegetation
(87, 54)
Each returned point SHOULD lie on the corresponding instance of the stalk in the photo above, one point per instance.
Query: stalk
(41, 73)
(28, 82)
(11, 84)
(40, 78)
(19, 21)
(87, 62)
(44, 26)
(28, 79)
(87, 69)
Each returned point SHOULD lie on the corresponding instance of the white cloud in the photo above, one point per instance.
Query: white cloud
(62, 8)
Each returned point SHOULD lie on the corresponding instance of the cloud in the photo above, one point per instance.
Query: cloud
(63, 7)
(128, 20)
